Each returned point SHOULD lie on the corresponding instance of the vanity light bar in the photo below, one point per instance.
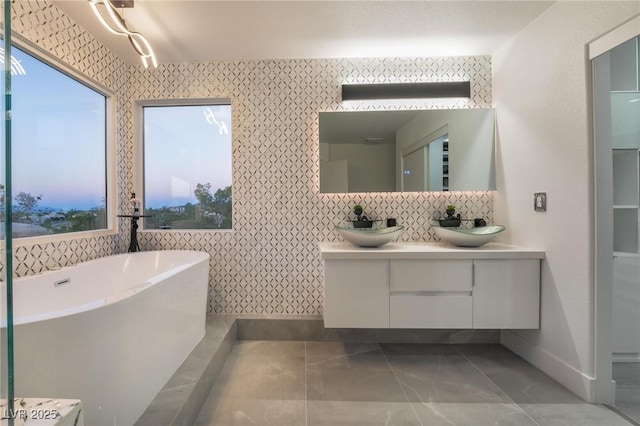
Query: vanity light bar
(447, 89)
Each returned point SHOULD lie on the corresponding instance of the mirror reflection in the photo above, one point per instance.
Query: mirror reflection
(393, 151)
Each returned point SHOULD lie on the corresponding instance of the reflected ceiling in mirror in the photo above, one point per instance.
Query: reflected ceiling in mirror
(405, 151)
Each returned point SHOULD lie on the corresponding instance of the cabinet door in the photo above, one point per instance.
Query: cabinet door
(356, 293)
(506, 293)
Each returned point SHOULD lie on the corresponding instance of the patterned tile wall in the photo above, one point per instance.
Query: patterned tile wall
(269, 263)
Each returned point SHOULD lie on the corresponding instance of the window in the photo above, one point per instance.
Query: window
(187, 165)
(59, 155)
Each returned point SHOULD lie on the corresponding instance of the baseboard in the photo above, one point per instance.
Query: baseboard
(577, 382)
(314, 330)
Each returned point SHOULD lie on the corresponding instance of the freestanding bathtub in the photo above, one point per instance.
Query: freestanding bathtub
(111, 331)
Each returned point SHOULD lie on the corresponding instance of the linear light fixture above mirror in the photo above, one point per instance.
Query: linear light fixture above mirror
(447, 89)
(108, 16)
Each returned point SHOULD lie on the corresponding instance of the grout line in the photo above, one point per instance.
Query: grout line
(495, 384)
(400, 384)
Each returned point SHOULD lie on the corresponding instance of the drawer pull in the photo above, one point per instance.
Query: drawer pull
(430, 293)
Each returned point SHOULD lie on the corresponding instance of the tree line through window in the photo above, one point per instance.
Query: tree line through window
(187, 166)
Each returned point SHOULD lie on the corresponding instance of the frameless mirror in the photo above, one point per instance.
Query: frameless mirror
(394, 151)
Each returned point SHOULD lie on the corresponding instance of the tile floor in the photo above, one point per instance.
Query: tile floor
(302, 383)
(627, 377)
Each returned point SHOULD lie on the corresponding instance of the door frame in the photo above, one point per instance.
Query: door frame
(604, 386)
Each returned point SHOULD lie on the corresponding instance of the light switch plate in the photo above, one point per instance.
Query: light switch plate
(540, 201)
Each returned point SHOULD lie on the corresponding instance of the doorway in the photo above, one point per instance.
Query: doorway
(615, 60)
(425, 163)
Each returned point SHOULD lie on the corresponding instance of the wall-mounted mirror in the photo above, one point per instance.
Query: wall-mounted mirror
(392, 151)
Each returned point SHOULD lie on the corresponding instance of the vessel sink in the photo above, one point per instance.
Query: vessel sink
(472, 237)
(369, 237)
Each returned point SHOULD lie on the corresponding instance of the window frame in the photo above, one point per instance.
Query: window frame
(109, 144)
(138, 153)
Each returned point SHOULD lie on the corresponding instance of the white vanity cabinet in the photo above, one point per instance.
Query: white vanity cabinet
(422, 285)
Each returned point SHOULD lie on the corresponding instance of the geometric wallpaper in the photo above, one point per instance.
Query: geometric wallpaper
(269, 263)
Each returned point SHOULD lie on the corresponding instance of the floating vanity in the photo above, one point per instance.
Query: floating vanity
(431, 285)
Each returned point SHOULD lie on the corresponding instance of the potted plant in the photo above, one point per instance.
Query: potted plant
(451, 210)
(357, 210)
(361, 221)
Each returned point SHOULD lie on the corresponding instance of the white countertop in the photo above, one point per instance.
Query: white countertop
(424, 250)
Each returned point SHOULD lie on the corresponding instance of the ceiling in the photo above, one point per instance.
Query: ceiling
(209, 30)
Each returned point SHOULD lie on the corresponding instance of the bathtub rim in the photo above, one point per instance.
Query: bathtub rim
(104, 301)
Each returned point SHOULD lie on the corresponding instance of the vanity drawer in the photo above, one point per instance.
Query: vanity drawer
(431, 275)
(426, 311)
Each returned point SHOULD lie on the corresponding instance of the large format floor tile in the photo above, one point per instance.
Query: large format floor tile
(275, 383)
(262, 383)
(466, 414)
(439, 373)
(343, 372)
(360, 413)
(264, 370)
(226, 411)
(521, 381)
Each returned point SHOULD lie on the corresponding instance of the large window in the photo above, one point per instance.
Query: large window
(59, 179)
(187, 165)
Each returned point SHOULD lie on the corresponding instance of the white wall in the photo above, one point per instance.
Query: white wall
(370, 168)
(542, 95)
(470, 145)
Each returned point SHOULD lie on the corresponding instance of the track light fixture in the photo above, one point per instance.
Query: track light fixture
(108, 16)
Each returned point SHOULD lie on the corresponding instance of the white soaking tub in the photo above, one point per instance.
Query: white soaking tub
(109, 332)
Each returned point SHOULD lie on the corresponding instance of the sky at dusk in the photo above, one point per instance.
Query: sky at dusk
(58, 143)
(184, 146)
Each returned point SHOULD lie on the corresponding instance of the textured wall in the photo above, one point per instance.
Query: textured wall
(269, 263)
(545, 145)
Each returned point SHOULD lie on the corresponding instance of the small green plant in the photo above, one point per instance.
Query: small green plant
(357, 209)
(451, 210)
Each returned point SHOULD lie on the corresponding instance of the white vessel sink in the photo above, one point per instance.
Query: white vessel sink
(472, 237)
(370, 237)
